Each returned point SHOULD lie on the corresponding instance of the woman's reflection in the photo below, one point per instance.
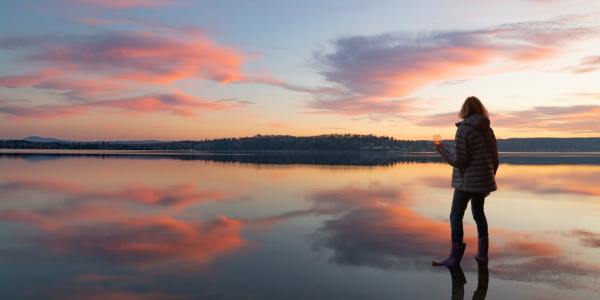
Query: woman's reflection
(483, 279)
(459, 280)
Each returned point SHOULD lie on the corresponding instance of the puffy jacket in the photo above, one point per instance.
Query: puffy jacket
(475, 156)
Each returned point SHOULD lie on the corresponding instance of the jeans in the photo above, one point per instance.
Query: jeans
(459, 205)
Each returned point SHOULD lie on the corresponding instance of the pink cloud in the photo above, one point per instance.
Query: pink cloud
(588, 64)
(25, 80)
(98, 71)
(372, 70)
(42, 111)
(80, 88)
(357, 106)
(83, 89)
(136, 56)
(177, 104)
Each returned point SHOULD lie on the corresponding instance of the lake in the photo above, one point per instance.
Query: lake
(136, 226)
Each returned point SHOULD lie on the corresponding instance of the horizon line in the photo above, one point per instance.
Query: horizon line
(271, 135)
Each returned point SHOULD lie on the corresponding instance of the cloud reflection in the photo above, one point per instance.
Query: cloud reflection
(586, 238)
(103, 227)
(147, 241)
(574, 180)
(177, 196)
(366, 229)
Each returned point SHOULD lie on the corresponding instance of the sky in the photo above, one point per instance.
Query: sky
(183, 69)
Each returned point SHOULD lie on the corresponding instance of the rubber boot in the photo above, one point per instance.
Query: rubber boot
(482, 250)
(456, 253)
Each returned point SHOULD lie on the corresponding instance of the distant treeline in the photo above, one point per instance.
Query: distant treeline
(329, 142)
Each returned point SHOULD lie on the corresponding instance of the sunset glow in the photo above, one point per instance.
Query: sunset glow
(180, 69)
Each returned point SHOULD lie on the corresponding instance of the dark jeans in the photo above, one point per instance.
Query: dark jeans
(459, 205)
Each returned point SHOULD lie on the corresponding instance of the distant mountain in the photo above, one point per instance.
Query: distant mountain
(327, 142)
(41, 139)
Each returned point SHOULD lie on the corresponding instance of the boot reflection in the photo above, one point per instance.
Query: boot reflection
(483, 280)
(459, 280)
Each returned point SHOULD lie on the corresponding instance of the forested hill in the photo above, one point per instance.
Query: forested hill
(330, 142)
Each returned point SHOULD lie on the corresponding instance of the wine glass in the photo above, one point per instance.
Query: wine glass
(437, 139)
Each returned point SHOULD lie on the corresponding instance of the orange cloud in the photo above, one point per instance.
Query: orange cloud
(137, 56)
(25, 80)
(178, 104)
(387, 68)
(95, 71)
(80, 89)
(588, 64)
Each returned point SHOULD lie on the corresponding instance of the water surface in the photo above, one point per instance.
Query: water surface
(103, 226)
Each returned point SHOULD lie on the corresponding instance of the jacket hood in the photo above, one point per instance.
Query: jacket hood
(479, 122)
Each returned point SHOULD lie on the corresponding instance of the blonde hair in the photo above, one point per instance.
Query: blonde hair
(472, 106)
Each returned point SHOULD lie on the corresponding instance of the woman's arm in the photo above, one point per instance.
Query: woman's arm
(494, 151)
(459, 157)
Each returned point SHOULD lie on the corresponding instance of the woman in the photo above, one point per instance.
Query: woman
(475, 162)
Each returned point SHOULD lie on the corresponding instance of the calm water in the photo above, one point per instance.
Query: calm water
(135, 227)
